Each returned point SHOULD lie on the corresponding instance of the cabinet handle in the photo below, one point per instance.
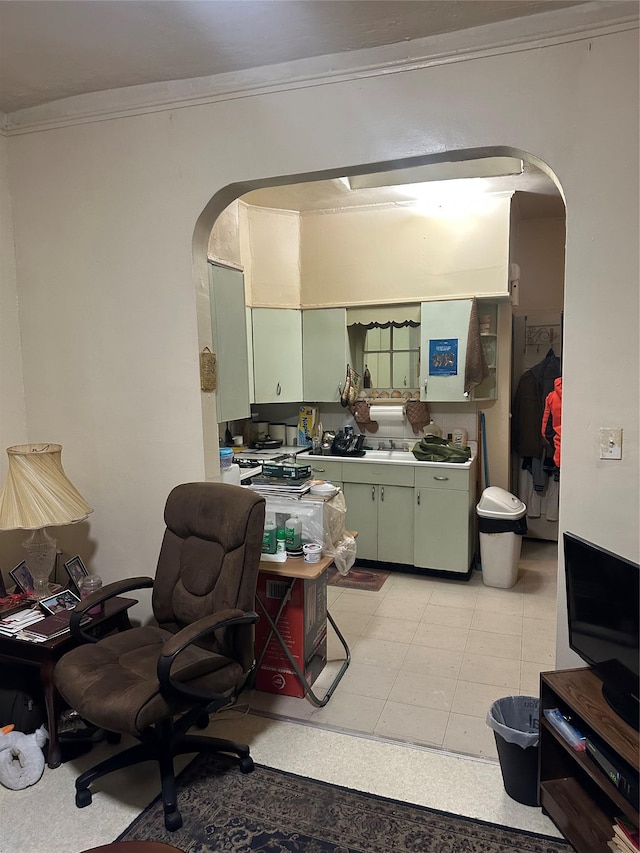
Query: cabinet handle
(373, 493)
(382, 493)
(405, 381)
(425, 386)
(441, 478)
(318, 470)
(278, 389)
(418, 498)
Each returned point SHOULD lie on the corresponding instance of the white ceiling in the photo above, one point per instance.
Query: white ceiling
(54, 49)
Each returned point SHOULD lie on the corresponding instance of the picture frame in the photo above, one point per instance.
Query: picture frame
(66, 599)
(22, 577)
(76, 570)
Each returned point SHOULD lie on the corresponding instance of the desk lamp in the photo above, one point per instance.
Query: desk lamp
(38, 494)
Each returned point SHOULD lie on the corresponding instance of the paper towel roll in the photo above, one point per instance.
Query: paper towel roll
(387, 415)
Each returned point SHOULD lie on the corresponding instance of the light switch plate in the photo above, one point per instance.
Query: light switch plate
(610, 443)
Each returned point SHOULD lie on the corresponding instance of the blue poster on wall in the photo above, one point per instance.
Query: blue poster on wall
(443, 357)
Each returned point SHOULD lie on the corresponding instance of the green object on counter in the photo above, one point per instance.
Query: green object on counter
(431, 448)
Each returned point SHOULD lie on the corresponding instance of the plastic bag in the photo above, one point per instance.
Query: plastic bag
(516, 719)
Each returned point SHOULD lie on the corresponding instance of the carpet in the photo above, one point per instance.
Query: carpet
(270, 811)
(370, 580)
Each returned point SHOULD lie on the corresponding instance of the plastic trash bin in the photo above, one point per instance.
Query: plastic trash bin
(514, 721)
(501, 525)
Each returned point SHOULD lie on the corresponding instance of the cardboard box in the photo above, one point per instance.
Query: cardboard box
(286, 470)
(303, 625)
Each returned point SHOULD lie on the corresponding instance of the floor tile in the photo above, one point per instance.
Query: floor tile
(455, 596)
(440, 637)
(432, 662)
(358, 602)
(530, 677)
(475, 700)
(539, 649)
(361, 679)
(453, 617)
(498, 623)
(489, 670)
(507, 646)
(505, 602)
(431, 691)
(396, 630)
(350, 712)
(540, 607)
(401, 607)
(376, 652)
(469, 735)
(412, 723)
(349, 621)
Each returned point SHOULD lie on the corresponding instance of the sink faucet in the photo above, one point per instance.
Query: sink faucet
(392, 444)
(381, 445)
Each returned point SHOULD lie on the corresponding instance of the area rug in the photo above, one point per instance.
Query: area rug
(370, 580)
(270, 811)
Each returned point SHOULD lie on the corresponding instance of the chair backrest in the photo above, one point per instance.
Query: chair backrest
(209, 557)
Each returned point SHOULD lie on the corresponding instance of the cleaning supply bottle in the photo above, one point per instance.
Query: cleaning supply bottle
(432, 428)
(281, 545)
(269, 536)
(293, 533)
(366, 379)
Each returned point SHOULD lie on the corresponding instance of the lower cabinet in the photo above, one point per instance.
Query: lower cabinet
(444, 519)
(324, 469)
(379, 501)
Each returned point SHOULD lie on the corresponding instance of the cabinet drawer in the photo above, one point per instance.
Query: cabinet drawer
(377, 474)
(323, 470)
(442, 478)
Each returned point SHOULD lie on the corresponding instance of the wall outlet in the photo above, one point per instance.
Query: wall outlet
(610, 443)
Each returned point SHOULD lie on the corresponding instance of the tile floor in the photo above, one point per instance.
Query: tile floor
(429, 656)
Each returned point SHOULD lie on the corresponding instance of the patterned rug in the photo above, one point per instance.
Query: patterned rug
(269, 811)
(370, 580)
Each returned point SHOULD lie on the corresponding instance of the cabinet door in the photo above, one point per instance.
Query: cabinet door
(488, 315)
(362, 515)
(441, 530)
(277, 355)
(325, 354)
(444, 329)
(395, 524)
(229, 335)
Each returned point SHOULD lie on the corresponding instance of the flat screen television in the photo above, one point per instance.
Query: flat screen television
(603, 605)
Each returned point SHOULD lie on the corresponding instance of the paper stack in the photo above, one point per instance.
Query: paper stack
(17, 622)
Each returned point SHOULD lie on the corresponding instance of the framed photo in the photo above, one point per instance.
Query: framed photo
(76, 570)
(64, 600)
(3, 589)
(22, 577)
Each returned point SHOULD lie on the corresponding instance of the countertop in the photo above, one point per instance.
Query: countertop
(394, 457)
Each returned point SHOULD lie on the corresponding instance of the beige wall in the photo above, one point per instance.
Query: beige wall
(111, 259)
(402, 254)
(271, 257)
(540, 255)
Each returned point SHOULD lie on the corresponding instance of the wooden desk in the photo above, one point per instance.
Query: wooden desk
(46, 655)
(294, 570)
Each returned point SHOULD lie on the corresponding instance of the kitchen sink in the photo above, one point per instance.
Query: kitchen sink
(390, 455)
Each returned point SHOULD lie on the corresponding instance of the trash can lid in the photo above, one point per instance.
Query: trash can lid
(498, 503)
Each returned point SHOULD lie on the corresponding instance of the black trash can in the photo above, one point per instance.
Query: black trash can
(515, 722)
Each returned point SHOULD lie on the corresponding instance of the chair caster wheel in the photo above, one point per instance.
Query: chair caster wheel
(172, 821)
(246, 765)
(83, 798)
(113, 737)
(203, 721)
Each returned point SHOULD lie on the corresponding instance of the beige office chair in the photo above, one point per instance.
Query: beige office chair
(157, 682)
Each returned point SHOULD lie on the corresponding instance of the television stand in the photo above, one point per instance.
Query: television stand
(574, 791)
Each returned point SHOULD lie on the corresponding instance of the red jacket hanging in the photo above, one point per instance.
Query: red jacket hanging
(552, 419)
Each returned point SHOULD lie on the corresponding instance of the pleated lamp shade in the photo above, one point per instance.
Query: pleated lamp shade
(37, 493)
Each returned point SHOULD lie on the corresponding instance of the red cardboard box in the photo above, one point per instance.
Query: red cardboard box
(303, 626)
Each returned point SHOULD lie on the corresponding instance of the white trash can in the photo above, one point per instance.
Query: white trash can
(501, 525)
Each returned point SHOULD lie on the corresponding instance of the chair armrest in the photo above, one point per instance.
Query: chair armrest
(110, 590)
(189, 635)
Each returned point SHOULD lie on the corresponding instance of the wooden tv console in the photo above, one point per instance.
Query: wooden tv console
(574, 791)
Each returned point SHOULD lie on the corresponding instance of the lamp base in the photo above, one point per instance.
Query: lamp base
(40, 557)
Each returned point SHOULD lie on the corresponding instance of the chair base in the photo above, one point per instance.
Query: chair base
(162, 744)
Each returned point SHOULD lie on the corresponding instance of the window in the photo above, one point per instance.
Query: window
(392, 354)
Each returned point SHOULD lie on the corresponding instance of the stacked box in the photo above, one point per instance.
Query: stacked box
(286, 470)
(303, 626)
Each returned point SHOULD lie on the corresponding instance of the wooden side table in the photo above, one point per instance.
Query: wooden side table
(46, 655)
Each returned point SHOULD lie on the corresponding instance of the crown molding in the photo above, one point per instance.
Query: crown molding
(587, 21)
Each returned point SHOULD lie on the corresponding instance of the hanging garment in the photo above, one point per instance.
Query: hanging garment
(476, 369)
(552, 420)
(528, 406)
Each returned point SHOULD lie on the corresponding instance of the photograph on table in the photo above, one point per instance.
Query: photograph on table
(22, 577)
(76, 570)
(65, 600)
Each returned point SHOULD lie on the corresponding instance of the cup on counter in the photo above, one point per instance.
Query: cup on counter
(292, 435)
(238, 440)
(312, 552)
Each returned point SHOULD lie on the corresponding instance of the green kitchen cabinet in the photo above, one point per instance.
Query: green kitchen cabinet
(325, 354)
(277, 355)
(444, 516)
(229, 337)
(322, 468)
(444, 329)
(379, 501)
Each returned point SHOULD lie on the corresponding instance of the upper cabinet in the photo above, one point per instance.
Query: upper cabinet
(228, 329)
(277, 355)
(325, 354)
(444, 329)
